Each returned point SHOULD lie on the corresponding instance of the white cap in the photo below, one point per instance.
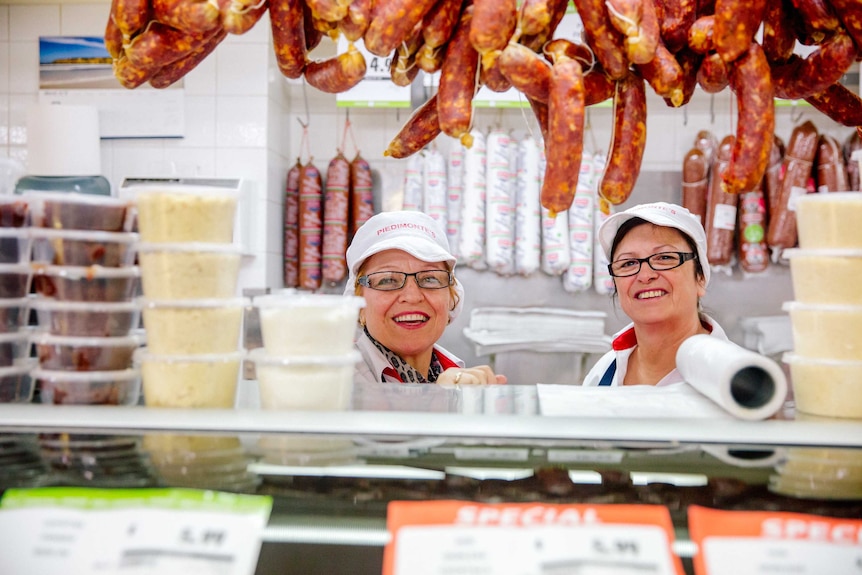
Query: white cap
(660, 214)
(413, 232)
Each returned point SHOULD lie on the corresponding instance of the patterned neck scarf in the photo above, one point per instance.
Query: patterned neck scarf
(406, 372)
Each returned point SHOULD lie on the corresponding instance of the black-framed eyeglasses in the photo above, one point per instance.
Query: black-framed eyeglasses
(391, 281)
(660, 262)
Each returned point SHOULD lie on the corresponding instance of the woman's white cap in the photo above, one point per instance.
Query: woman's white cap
(660, 214)
(413, 232)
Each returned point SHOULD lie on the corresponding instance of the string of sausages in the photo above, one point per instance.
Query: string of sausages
(670, 45)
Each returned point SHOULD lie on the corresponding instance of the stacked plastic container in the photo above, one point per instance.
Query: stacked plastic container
(86, 281)
(826, 315)
(192, 317)
(15, 277)
(306, 363)
(193, 320)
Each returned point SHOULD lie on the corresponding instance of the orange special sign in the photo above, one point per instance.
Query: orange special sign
(648, 523)
(776, 527)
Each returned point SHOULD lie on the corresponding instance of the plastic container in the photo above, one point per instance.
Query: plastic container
(14, 314)
(66, 353)
(830, 276)
(813, 488)
(308, 324)
(189, 380)
(826, 331)
(16, 385)
(83, 248)
(175, 447)
(77, 211)
(185, 327)
(829, 220)
(189, 270)
(14, 348)
(72, 318)
(15, 280)
(122, 387)
(168, 214)
(322, 383)
(92, 284)
(826, 387)
(14, 212)
(15, 245)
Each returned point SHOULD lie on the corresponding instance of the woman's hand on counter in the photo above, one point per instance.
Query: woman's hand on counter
(479, 375)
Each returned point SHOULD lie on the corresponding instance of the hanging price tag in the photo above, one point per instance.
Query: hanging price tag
(376, 90)
(113, 531)
(437, 537)
(762, 542)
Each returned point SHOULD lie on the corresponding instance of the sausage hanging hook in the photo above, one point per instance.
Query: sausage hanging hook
(588, 128)
(796, 112)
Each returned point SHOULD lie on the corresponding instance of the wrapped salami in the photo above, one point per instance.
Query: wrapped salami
(336, 213)
(603, 282)
(579, 274)
(361, 194)
(454, 190)
(721, 213)
(434, 186)
(753, 252)
(310, 227)
(413, 191)
(528, 216)
(555, 238)
(291, 226)
(500, 203)
(472, 247)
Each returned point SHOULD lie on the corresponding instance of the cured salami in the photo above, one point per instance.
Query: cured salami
(310, 227)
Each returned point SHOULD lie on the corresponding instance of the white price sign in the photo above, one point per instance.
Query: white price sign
(766, 542)
(376, 90)
(444, 537)
(157, 531)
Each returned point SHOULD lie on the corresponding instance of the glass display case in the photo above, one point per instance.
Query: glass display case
(332, 473)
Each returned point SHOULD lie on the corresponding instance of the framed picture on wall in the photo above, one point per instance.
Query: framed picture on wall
(79, 70)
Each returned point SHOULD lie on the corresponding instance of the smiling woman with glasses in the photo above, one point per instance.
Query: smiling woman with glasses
(401, 264)
(662, 298)
(389, 281)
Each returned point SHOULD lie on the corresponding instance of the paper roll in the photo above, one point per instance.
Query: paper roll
(63, 140)
(744, 383)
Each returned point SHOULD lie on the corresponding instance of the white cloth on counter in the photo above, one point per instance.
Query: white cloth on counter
(640, 401)
(501, 329)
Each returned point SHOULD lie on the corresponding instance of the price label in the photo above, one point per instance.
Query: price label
(760, 543)
(376, 90)
(434, 538)
(160, 531)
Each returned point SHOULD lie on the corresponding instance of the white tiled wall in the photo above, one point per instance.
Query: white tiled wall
(229, 116)
(241, 121)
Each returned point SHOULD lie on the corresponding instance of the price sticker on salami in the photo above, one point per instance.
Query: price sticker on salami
(762, 542)
(114, 531)
(438, 537)
(376, 89)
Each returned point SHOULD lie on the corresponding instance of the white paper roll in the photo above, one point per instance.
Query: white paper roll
(63, 140)
(744, 383)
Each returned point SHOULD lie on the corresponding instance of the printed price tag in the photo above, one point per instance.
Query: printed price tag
(761, 542)
(158, 531)
(724, 217)
(376, 90)
(437, 537)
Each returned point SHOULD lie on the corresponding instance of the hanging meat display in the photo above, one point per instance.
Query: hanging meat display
(669, 46)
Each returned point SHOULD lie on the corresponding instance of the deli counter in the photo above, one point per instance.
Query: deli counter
(331, 474)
